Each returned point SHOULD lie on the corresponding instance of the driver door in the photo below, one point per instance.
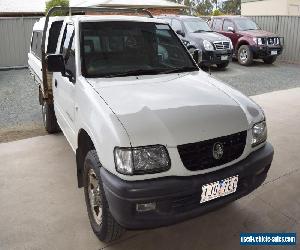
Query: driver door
(64, 86)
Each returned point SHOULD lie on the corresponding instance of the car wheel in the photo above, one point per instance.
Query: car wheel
(222, 65)
(245, 55)
(192, 50)
(49, 118)
(270, 59)
(102, 222)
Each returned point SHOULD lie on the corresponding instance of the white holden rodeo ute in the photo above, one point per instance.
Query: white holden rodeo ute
(157, 140)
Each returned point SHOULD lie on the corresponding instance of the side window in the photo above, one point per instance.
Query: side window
(39, 45)
(36, 44)
(68, 51)
(227, 23)
(176, 25)
(33, 42)
(53, 36)
(217, 24)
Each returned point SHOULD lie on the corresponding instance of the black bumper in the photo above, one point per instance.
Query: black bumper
(215, 57)
(260, 52)
(178, 198)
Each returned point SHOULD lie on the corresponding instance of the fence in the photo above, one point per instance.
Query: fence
(15, 35)
(289, 28)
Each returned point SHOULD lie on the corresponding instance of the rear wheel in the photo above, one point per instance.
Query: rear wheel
(49, 118)
(270, 59)
(102, 222)
(222, 65)
(245, 55)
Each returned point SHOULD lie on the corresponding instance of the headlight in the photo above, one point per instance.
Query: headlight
(259, 133)
(258, 40)
(142, 160)
(231, 45)
(208, 46)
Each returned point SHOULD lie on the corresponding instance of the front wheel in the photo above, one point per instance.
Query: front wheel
(222, 65)
(245, 55)
(270, 59)
(102, 222)
(49, 118)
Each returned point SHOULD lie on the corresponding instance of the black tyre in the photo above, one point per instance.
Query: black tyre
(245, 55)
(192, 50)
(270, 59)
(49, 118)
(102, 222)
(222, 65)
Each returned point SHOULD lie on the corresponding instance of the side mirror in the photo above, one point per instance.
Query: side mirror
(197, 56)
(180, 32)
(231, 29)
(55, 63)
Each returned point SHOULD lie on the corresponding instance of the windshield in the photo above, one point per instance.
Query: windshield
(246, 24)
(125, 48)
(196, 25)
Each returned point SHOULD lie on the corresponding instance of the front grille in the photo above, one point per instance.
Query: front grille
(199, 155)
(273, 41)
(222, 45)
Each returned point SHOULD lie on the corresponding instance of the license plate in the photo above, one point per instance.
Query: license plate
(274, 52)
(219, 189)
(223, 58)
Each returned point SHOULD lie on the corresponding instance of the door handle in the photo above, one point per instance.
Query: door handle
(55, 83)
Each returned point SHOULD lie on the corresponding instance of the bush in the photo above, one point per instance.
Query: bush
(217, 12)
(57, 3)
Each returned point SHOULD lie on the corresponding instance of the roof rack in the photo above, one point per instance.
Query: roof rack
(71, 11)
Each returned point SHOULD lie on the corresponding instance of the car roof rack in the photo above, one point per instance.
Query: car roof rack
(71, 11)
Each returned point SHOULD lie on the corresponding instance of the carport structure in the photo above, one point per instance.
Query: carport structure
(41, 207)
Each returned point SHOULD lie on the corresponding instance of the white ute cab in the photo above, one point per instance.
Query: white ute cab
(157, 140)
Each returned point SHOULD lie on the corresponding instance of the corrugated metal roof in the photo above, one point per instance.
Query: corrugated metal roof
(22, 6)
(126, 3)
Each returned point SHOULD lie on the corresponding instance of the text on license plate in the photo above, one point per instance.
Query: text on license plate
(223, 58)
(218, 189)
(274, 52)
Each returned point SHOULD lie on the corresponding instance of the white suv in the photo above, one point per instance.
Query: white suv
(157, 140)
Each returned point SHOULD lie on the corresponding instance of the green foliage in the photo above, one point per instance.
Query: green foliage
(217, 12)
(204, 8)
(232, 7)
(212, 7)
(54, 3)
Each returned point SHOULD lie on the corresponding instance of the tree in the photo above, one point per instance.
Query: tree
(232, 7)
(204, 8)
(54, 3)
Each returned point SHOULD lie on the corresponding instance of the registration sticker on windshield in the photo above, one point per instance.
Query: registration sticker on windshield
(162, 27)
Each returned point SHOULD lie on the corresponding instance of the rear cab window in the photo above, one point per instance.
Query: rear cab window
(67, 49)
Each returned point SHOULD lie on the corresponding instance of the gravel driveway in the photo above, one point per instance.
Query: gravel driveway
(20, 112)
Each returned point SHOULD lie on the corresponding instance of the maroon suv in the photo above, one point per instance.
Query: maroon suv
(249, 41)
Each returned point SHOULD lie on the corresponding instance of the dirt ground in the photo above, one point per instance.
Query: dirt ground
(21, 132)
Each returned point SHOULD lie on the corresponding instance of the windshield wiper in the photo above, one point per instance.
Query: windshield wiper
(199, 31)
(179, 70)
(133, 73)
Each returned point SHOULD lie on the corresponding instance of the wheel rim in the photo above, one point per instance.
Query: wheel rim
(44, 114)
(95, 196)
(244, 55)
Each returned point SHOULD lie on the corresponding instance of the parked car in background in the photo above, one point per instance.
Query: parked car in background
(248, 39)
(196, 34)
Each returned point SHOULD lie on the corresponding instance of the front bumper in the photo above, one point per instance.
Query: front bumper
(215, 57)
(260, 52)
(178, 198)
